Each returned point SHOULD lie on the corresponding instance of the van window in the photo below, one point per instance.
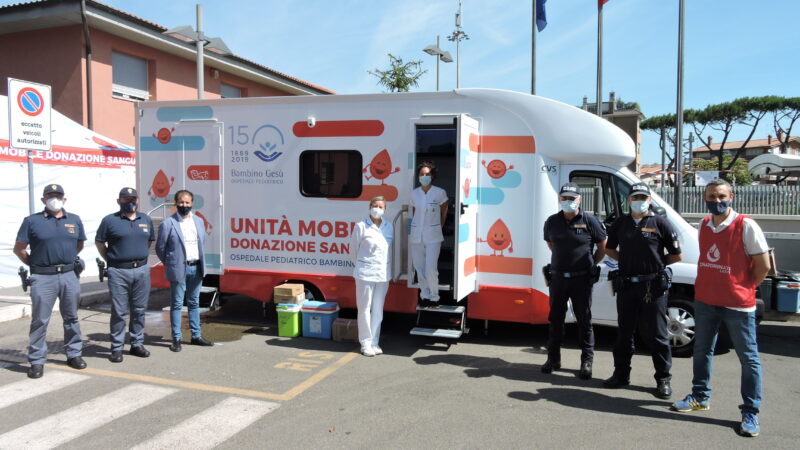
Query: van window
(330, 173)
(604, 195)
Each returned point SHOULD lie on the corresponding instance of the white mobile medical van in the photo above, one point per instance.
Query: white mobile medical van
(279, 182)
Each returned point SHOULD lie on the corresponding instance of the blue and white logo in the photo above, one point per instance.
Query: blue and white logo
(270, 140)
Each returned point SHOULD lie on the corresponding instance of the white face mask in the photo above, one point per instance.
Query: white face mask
(569, 206)
(375, 212)
(54, 204)
(640, 206)
(424, 180)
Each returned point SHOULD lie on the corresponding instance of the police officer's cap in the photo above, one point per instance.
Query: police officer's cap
(53, 188)
(569, 190)
(128, 192)
(640, 189)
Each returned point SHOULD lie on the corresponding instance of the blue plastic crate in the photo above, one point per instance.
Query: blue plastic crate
(789, 296)
(318, 318)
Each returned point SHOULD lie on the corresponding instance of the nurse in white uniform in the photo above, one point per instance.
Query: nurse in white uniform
(369, 249)
(429, 205)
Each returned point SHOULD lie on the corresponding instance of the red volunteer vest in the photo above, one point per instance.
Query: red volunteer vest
(723, 270)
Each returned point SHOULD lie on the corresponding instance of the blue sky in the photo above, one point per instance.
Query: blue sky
(734, 48)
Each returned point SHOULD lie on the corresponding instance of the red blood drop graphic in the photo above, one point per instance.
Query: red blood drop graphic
(381, 166)
(164, 135)
(499, 238)
(161, 185)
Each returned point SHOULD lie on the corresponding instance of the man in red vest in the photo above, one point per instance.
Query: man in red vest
(734, 259)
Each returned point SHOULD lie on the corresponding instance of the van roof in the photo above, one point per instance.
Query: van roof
(561, 132)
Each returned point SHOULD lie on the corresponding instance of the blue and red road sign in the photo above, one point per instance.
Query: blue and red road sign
(30, 101)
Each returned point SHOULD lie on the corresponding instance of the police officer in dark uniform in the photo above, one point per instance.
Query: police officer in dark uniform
(55, 239)
(123, 240)
(642, 286)
(570, 234)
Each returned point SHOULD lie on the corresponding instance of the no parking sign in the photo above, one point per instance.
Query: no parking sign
(29, 115)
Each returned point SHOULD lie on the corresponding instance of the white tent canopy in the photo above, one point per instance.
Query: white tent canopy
(91, 168)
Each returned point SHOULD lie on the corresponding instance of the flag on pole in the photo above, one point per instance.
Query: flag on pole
(541, 18)
(600, 3)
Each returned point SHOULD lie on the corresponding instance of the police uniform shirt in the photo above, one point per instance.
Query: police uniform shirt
(426, 226)
(641, 245)
(573, 240)
(127, 239)
(53, 240)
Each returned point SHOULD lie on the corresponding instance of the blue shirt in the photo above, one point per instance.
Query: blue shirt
(52, 240)
(127, 239)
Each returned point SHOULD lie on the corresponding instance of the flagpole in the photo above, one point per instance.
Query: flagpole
(533, 49)
(679, 115)
(600, 57)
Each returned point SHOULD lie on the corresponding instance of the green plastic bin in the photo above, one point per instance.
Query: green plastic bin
(288, 320)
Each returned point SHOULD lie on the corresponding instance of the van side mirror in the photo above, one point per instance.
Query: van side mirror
(660, 211)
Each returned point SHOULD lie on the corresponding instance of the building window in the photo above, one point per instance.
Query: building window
(129, 77)
(330, 173)
(228, 91)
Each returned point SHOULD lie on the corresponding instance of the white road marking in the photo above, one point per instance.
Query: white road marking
(71, 423)
(27, 388)
(212, 426)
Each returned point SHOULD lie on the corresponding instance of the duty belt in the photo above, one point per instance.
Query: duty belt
(571, 274)
(51, 270)
(127, 264)
(642, 278)
(193, 263)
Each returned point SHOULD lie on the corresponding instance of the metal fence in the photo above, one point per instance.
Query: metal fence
(755, 199)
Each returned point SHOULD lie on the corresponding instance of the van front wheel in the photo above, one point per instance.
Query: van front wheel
(680, 326)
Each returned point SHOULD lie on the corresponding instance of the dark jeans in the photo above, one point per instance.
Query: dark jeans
(631, 309)
(579, 290)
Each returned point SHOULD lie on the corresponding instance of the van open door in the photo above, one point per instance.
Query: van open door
(466, 213)
(203, 176)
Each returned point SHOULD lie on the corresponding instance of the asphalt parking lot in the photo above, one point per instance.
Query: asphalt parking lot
(484, 391)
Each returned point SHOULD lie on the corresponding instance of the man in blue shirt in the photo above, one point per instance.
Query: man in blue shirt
(123, 240)
(55, 239)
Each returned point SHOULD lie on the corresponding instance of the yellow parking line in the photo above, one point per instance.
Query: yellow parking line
(288, 395)
(319, 376)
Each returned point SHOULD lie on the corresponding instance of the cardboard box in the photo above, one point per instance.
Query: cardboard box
(291, 299)
(345, 330)
(288, 289)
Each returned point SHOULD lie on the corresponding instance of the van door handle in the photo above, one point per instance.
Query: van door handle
(463, 207)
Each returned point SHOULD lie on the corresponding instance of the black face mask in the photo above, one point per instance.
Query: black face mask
(128, 207)
(184, 210)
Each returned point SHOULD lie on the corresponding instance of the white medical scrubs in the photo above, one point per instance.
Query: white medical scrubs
(426, 238)
(369, 249)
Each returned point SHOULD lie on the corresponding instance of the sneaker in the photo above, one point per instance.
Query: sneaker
(377, 350)
(367, 351)
(690, 403)
(749, 425)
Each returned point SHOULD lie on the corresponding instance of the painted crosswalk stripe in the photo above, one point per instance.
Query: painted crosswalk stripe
(27, 388)
(71, 423)
(212, 426)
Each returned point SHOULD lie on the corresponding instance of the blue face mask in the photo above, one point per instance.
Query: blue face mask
(640, 206)
(569, 206)
(717, 208)
(424, 180)
(128, 207)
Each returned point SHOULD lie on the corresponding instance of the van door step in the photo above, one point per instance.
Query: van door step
(205, 292)
(437, 332)
(447, 309)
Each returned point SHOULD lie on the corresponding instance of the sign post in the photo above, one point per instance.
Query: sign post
(29, 114)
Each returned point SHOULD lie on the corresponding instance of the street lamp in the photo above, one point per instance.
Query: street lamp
(458, 36)
(215, 44)
(441, 55)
